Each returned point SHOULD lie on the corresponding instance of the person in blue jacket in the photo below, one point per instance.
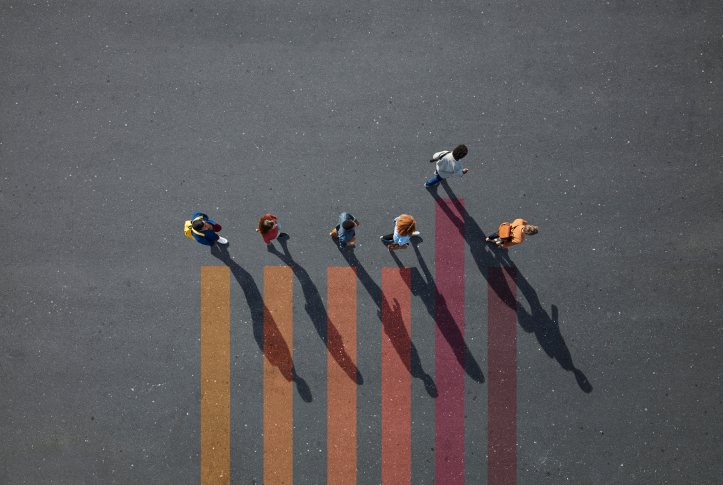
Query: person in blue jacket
(345, 230)
(204, 230)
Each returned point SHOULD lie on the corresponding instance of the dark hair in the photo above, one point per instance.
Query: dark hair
(265, 224)
(459, 152)
(198, 224)
(348, 225)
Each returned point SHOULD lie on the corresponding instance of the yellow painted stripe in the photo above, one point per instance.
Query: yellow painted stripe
(278, 384)
(215, 375)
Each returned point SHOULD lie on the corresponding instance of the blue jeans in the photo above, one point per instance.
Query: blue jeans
(434, 180)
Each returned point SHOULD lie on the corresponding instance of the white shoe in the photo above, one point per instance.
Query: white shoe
(222, 240)
(415, 233)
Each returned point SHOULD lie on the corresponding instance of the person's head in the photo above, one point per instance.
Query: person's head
(199, 225)
(348, 225)
(266, 223)
(530, 230)
(459, 152)
(406, 225)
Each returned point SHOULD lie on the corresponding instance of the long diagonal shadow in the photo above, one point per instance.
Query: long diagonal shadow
(537, 321)
(394, 327)
(427, 290)
(317, 313)
(267, 335)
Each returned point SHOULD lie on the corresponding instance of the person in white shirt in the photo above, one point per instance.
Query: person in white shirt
(448, 164)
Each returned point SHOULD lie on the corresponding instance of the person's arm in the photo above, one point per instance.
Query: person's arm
(517, 237)
(458, 170)
(205, 240)
(513, 242)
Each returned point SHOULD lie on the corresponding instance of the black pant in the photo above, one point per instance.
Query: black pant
(494, 236)
(389, 237)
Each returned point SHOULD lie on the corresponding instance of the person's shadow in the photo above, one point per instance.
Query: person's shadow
(536, 321)
(394, 325)
(317, 313)
(267, 334)
(436, 305)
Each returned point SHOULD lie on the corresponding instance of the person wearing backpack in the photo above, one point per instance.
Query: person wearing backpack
(448, 164)
(510, 234)
(204, 230)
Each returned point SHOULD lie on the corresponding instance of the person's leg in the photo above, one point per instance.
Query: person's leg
(388, 237)
(492, 237)
(216, 227)
(434, 180)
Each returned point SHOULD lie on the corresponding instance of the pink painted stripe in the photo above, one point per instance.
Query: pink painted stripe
(502, 382)
(396, 379)
(449, 341)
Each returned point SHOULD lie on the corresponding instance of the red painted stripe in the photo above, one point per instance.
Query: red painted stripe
(396, 379)
(449, 341)
(502, 382)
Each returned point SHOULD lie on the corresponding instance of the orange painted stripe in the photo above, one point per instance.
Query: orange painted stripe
(278, 383)
(396, 377)
(215, 375)
(340, 363)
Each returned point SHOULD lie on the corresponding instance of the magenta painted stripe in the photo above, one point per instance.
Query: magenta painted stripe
(502, 382)
(449, 341)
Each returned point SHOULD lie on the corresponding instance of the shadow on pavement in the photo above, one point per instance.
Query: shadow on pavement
(393, 326)
(267, 334)
(317, 313)
(537, 321)
(436, 305)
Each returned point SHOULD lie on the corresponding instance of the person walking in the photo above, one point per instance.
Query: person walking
(405, 227)
(204, 230)
(510, 234)
(345, 230)
(448, 164)
(269, 229)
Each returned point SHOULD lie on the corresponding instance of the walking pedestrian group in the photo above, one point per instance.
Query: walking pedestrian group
(447, 164)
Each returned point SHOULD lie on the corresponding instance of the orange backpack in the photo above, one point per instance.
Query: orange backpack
(505, 230)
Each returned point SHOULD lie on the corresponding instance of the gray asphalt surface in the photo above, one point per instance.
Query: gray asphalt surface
(598, 121)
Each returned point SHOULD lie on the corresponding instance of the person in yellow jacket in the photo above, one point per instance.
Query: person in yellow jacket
(517, 230)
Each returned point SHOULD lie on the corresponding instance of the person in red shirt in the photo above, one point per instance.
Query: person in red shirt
(269, 229)
(519, 228)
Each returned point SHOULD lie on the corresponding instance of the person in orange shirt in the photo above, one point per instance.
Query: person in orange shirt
(518, 229)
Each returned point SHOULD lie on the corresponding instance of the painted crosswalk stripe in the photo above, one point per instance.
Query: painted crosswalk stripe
(341, 376)
(449, 341)
(215, 375)
(502, 370)
(278, 375)
(396, 379)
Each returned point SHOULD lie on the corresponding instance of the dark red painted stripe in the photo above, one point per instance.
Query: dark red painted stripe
(449, 341)
(396, 379)
(502, 382)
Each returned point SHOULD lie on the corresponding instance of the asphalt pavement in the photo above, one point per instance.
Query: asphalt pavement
(598, 121)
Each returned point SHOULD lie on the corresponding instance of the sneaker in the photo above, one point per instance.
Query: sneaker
(222, 240)
(415, 233)
(385, 240)
(283, 235)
